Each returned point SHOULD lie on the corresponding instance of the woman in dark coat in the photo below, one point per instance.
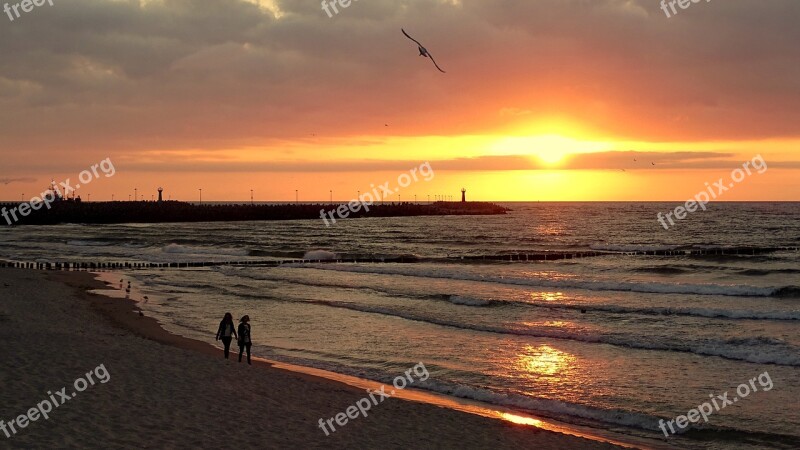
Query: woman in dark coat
(226, 329)
(244, 337)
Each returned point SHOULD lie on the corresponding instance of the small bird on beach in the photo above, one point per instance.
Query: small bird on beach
(423, 51)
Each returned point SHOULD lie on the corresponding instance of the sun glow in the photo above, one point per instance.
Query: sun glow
(550, 149)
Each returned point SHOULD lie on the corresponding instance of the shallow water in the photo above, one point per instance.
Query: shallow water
(617, 341)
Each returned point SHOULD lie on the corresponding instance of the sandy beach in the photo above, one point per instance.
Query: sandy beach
(166, 391)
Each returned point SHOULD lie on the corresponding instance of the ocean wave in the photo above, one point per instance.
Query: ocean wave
(214, 251)
(471, 301)
(319, 254)
(89, 243)
(551, 408)
(711, 313)
(788, 292)
(632, 248)
(662, 270)
(591, 285)
(760, 350)
(555, 409)
(762, 272)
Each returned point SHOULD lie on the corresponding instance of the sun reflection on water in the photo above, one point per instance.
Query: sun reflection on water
(520, 419)
(544, 361)
(547, 296)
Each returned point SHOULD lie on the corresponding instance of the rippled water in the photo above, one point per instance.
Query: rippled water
(618, 341)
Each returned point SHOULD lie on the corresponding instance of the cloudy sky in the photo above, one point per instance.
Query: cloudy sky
(542, 99)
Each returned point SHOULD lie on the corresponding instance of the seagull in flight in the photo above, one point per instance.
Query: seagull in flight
(423, 51)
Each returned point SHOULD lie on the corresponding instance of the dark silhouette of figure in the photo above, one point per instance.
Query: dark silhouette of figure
(226, 329)
(244, 337)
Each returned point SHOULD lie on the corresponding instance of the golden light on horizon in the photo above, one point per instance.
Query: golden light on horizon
(550, 149)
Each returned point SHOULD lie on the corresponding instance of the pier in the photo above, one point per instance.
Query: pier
(175, 212)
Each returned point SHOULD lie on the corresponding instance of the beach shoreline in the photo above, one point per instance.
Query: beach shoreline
(303, 398)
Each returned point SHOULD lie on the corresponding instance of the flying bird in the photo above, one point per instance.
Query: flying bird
(423, 51)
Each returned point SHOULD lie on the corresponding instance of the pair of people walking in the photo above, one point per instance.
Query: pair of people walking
(226, 333)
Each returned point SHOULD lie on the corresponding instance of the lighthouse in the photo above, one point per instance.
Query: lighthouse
(463, 195)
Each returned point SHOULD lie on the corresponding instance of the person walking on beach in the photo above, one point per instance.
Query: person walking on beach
(244, 337)
(226, 329)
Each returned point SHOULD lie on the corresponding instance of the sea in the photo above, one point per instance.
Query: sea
(617, 342)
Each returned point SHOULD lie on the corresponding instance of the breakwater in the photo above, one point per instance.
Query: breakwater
(173, 211)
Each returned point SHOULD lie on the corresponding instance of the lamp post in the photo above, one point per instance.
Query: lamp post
(201, 195)
(296, 197)
(251, 196)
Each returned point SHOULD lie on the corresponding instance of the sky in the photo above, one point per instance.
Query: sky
(542, 100)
